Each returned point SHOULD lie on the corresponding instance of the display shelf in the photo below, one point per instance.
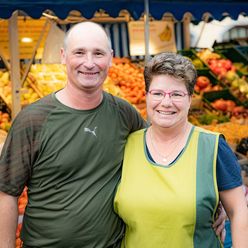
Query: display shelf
(220, 94)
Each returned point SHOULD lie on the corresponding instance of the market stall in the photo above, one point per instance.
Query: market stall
(125, 78)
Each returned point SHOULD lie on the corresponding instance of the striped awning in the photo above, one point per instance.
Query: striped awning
(87, 8)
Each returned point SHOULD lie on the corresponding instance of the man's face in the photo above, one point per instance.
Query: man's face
(87, 58)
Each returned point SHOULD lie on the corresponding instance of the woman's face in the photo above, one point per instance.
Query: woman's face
(168, 111)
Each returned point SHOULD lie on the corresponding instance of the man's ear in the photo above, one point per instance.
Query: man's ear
(111, 60)
(62, 56)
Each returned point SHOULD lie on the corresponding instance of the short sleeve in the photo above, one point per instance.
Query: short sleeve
(228, 168)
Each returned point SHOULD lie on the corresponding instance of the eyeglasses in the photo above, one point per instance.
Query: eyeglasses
(159, 95)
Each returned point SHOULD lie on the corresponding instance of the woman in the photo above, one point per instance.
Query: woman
(175, 173)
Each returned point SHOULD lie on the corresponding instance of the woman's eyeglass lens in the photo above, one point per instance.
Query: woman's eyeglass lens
(159, 95)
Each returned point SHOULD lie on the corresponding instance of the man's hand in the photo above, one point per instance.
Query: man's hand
(219, 224)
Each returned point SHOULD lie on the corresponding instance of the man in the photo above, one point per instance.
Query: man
(68, 149)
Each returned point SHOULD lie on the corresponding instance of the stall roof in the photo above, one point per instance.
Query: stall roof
(62, 8)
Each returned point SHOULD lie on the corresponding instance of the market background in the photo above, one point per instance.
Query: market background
(213, 34)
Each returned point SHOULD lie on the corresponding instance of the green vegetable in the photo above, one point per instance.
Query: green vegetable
(207, 119)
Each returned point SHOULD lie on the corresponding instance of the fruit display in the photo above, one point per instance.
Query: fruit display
(203, 116)
(5, 86)
(110, 87)
(241, 67)
(198, 63)
(207, 54)
(238, 86)
(226, 72)
(5, 121)
(225, 103)
(221, 66)
(48, 77)
(233, 132)
(28, 94)
(129, 78)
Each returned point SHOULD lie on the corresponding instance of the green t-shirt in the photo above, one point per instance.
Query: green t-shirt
(71, 162)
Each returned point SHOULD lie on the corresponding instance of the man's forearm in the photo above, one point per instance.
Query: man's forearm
(8, 220)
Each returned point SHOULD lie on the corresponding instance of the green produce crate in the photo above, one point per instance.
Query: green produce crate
(233, 54)
(225, 94)
(243, 50)
(191, 54)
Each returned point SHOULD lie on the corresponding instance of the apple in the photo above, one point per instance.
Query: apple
(202, 82)
(197, 88)
(227, 64)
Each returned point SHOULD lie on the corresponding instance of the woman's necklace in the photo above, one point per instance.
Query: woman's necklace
(164, 158)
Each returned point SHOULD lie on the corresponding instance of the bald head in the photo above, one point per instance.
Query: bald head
(87, 29)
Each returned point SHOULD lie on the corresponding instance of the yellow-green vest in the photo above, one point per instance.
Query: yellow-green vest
(169, 206)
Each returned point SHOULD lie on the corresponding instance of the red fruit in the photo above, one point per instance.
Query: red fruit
(202, 82)
(220, 104)
(216, 87)
(208, 88)
(230, 105)
(219, 70)
(227, 64)
(197, 88)
(233, 68)
(238, 110)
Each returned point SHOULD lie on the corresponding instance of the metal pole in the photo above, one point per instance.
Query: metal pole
(147, 30)
(14, 64)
